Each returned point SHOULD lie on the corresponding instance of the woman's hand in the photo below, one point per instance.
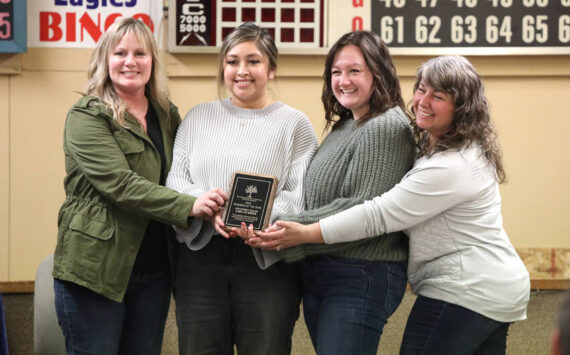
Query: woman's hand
(209, 204)
(288, 235)
(219, 225)
(244, 232)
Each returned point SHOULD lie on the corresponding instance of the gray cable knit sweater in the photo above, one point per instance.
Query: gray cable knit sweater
(357, 163)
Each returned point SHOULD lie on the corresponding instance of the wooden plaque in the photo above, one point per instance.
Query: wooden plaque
(250, 200)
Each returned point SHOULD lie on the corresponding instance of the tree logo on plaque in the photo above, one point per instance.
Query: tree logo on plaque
(251, 189)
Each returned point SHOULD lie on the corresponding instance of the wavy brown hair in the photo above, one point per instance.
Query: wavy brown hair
(99, 83)
(386, 91)
(471, 123)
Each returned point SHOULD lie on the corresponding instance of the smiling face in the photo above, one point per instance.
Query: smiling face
(246, 73)
(351, 80)
(130, 66)
(433, 110)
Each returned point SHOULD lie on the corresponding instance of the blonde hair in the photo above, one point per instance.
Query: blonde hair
(99, 83)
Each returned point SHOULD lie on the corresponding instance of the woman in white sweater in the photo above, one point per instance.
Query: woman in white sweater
(470, 282)
(226, 292)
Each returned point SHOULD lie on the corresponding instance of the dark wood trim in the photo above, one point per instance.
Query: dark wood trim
(17, 286)
(549, 284)
(28, 286)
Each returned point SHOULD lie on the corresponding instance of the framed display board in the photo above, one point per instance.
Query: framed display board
(199, 26)
(409, 27)
(437, 27)
(13, 26)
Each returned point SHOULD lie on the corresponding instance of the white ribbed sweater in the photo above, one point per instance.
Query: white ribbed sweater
(217, 139)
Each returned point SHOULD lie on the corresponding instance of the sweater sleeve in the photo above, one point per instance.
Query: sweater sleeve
(290, 199)
(432, 187)
(180, 179)
(90, 143)
(383, 154)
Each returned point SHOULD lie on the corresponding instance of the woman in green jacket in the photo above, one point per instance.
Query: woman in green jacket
(111, 269)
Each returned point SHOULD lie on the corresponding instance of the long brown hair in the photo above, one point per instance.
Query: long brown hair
(471, 119)
(386, 91)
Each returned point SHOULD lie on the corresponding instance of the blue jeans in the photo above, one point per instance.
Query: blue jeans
(347, 302)
(93, 324)
(438, 327)
(223, 298)
(3, 334)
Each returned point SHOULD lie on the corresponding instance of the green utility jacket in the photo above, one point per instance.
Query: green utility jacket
(111, 192)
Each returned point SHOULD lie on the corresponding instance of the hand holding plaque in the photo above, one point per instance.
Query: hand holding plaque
(250, 200)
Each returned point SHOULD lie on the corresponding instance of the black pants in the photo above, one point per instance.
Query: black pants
(223, 298)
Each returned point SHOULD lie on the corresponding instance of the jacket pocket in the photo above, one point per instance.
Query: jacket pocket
(89, 243)
(128, 143)
(91, 227)
(132, 147)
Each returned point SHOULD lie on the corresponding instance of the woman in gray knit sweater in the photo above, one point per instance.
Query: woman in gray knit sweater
(351, 289)
(471, 283)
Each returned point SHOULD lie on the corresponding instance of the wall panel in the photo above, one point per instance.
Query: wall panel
(4, 177)
(532, 120)
(528, 100)
(40, 102)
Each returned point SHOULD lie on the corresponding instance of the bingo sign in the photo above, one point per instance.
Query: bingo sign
(80, 23)
(473, 26)
(13, 36)
(200, 26)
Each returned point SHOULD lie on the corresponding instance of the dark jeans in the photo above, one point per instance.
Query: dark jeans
(93, 324)
(3, 333)
(438, 327)
(223, 298)
(346, 302)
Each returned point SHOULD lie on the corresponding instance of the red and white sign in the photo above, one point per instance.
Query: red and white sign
(80, 23)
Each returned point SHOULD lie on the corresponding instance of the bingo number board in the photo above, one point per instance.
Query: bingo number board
(6, 20)
(13, 26)
(437, 27)
(201, 25)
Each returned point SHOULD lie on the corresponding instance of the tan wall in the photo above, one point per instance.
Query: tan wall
(529, 97)
(4, 176)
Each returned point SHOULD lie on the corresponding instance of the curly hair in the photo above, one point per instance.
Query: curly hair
(456, 76)
(386, 91)
(99, 83)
